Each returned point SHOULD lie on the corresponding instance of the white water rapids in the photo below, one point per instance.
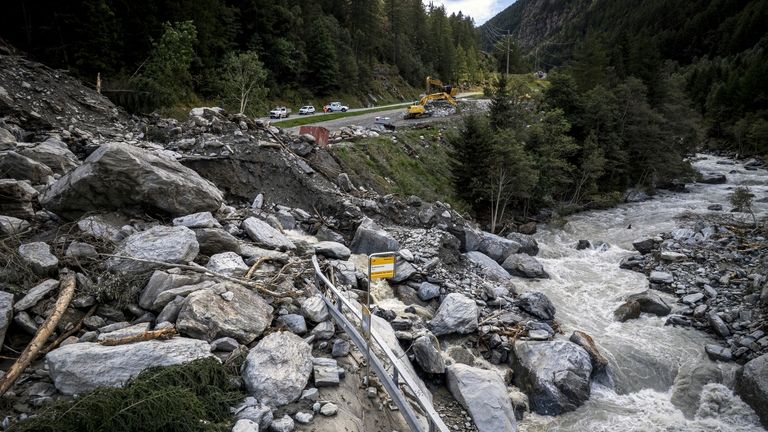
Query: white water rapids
(587, 286)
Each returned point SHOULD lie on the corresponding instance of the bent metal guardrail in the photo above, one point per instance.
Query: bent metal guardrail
(399, 372)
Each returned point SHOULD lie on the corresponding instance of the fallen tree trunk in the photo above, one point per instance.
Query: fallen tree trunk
(66, 291)
(165, 333)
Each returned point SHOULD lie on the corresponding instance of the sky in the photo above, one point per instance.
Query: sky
(480, 10)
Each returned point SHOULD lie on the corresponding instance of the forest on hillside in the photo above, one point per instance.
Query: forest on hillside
(177, 50)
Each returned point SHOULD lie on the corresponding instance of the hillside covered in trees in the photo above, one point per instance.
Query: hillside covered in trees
(167, 51)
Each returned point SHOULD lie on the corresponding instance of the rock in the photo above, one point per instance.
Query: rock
(226, 344)
(215, 240)
(39, 258)
(283, 424)
(314, 309)
(329, 409)
(17, 199)
(644, 246)
(527, 228)
(428, 291)
(258, 202)
(303, 417)
(206, 314)
(7, 140)
(35, 294)
(627, 311)
(661, 277)
(672, 256)
(175, 245)
(426, 350)
(81, 367)
(227, 263)
(340, 348)
(583, 244)
(715, 207)
(102, 227)
(537, 304)
(11, 226)
(456, 314)
(255, 411)
(371, 238)
(118, 176)
(197, 220)
(488, 266)
(555, 375)
(716, 352)
(692, 299)
(323, 331)
(690, 381)
(294, 323)
(483, 394)
(19, 167)
(525, 266)
(712, 179)
(634, 195)
(332, 250)
(80, 250)
(752, 386)
(25, 322)
(264, 235)
(245, 425)
(599, 361)
(285, 219)
(130, 330)
(496, 247)
(170, 312)
(6, 313)
(325, 372)
(168, 280)
(278, 368)
(344, 182)
(326, 234)
(718, 325)
(651, 303)
(54, 154)
(528, 245)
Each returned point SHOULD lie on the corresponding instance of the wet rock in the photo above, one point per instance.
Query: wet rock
(496, 247)
(689, 383)
(38, 257)
(118, 176)
(718, 325)
(197, 220)
(326, 234)
(264, 235)
(227, 263)
(17, 199)
(717, 352)
(583, 244)
(651, 303)
(456, 314)
(483, 394)
(19, 167)
(554, 374)
(294, 323)
(644, 246)
(371, 238)
(6, 313)
(428, 291)
(537, 304)
(525, 266)
(752, 386)
(176, 245)
(278, 368)
(599, 361)
(661, 277)
(712, 179)
(206, 314)
(627, 311)
(634, 195)
(315, 309)
(332, 250)
(11, 226)
(215, 240)
(715, 207)
(426, 350)
(528, 245)
(81, 367)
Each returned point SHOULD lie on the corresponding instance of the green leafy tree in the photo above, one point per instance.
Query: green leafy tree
(512, 176)
(242, 81)
(167, 70)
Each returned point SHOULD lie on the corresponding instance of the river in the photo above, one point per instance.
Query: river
(587, 286)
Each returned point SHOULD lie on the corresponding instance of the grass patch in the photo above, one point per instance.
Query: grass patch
(316, 118)
(184, 398)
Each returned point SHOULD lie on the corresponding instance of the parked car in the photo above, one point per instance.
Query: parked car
(280, 112)
(306, 110)
(335, 106)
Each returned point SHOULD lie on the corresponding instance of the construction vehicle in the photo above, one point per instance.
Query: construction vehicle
(427, 103)
(436, 84)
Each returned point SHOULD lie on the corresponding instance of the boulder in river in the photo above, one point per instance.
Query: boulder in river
(555, 375)
(118, 176)
(752, 386)
(278, 368)
(525, 266)
(488, 266)
(627, 311)
(644, 246)
(712, 179)
(371, 238)
(600, 370)
(483, 394)
(528, 244)
(651, 303)
(456, 314)
(537, 304)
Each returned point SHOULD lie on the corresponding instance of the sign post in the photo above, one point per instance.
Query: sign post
(380, 266)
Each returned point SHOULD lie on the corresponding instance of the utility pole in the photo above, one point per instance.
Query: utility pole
(507, 52)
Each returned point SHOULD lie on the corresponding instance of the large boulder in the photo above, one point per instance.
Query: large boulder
(752, 386)
(16, 166)
(651, 303)
(212, 313)
(54, 154)
(525, 266)
(497, 247)
(165, 280)
(712, 179)
(278, 368)
(426, 350)
(528, 244)
(371, 238)
(483, 394)
(600, 370)
(81, 367)
(118, 176)
(554, 374)
(6, 313)
(38, 257)
(227, 263)
(456, 314)
(332, 250)
(537, 304)
(644, 246)
(315, 309)
(17, 198)
(488, 266)
(175, 245)
(215, 240)
(265, 235)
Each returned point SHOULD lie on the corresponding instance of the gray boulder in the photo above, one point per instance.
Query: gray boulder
(483, 394)
(6, 313)
(176, 245)
(7, 140)
(17, 198)
(197, 220)
(118, 176)
(265, 235)
(456, 314)
(627, 311)
(555, 375)
(81, 367)
(426, 350)
(326, 234)
(528, 244)
(496, 247)
(80, 250)
(36, 294)
(11, 226)
(488, 266)
(712, 179)
(165, 280)
(537, 304)
(207, 314)
(599, 362)
(278, 368)
(718, 325)
(371, 238)
(19, 167)
(332, 250)
(644, 246)
(39, 258)
(752, 386)
(428, 291)
(215, 240)
(661, 277)
(651, 303)
(170, 312)
(54, 154)
(525, 266)
(295, 323)
(315, 309)
(227, 263)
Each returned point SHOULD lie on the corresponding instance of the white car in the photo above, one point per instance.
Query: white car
(280, 112)
(335, 107)
(306, 110)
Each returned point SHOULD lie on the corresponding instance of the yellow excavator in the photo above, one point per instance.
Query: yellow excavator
(445, 95)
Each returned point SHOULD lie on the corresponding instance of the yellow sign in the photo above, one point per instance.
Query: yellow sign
(383, 267)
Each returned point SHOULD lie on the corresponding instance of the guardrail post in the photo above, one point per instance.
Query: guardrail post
(394, 375)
